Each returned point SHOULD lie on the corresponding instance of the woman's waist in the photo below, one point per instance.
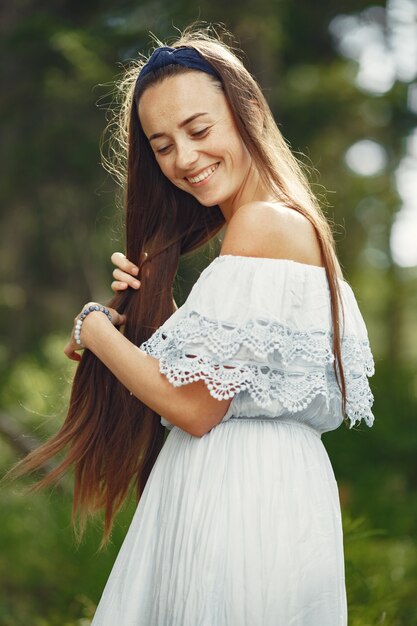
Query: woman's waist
(274, 420)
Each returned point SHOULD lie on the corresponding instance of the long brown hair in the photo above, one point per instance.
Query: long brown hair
(113, 439)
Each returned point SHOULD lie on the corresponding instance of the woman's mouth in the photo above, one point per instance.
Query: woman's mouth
(203, 177)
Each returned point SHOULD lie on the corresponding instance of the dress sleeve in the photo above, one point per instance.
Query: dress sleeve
(264, 326)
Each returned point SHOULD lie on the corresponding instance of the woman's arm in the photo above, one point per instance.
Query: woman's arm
(190, 407)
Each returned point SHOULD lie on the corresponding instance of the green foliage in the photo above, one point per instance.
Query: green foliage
(45, 575)
(380, 575)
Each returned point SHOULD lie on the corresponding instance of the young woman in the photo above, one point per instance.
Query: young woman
(239, 522)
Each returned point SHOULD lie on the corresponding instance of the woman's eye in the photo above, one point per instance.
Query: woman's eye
(163, 150)
(200, 132)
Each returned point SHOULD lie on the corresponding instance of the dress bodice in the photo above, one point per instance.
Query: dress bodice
(259, 331)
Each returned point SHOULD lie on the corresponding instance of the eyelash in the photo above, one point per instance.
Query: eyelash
(199, 133)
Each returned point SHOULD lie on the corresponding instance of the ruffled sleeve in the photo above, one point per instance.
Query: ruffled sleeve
(263, 326)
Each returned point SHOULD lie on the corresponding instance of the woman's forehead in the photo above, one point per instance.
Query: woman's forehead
(179, 97)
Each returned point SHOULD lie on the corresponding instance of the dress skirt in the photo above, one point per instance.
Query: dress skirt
(241, 527)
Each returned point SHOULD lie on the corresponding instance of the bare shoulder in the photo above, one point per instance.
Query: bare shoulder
(266, 229)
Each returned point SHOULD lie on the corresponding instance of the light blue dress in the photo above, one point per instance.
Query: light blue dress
(242, 527)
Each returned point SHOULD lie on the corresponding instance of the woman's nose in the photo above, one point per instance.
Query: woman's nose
(186, 155)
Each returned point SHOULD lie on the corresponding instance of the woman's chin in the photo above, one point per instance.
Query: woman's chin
(207, 201)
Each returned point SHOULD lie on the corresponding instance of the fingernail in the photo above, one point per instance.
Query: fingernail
(135, 270)
(136, 283)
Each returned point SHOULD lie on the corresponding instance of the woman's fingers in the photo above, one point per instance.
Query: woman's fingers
(124, 277)
(119, 260)
(123, 280)
(117, 319)
(124, 273)
(118, 286)
(69, 351)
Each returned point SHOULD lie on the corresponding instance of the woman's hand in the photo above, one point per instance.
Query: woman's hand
(72, 347)
(125, 273)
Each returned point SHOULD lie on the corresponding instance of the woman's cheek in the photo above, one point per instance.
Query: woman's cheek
(165, 168)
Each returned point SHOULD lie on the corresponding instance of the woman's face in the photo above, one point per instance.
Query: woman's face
(189, 125)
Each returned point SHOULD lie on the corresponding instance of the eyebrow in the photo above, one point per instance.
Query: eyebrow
(184, 123)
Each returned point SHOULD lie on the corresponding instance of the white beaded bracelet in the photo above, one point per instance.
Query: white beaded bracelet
(87, 311)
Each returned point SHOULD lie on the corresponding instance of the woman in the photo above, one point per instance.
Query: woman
(239, 522)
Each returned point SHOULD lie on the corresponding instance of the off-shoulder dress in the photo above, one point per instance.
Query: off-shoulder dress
(242, 527)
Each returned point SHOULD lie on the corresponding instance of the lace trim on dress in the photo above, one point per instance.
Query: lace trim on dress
(225, 376)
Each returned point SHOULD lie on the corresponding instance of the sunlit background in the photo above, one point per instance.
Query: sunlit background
(383, 43)
(341, 79)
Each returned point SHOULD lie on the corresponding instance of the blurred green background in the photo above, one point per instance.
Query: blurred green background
(341, 78)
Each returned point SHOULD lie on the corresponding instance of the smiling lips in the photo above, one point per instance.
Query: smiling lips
(205, 174)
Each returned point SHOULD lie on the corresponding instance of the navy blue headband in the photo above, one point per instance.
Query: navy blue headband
(183, 55)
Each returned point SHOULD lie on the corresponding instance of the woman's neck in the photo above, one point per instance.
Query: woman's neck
(252, 190)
